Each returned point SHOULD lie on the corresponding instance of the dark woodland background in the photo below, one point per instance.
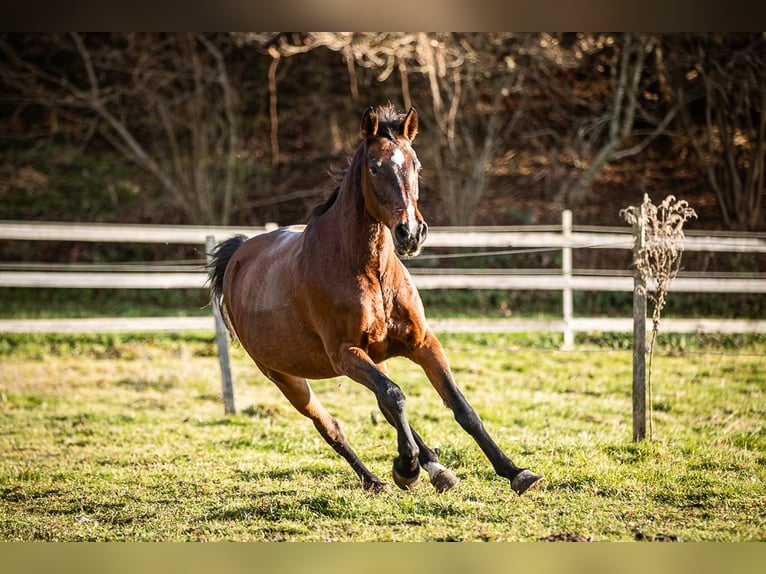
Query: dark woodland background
(248, 128)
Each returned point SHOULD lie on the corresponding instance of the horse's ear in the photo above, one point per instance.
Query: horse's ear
(409, 127)
(369, 123)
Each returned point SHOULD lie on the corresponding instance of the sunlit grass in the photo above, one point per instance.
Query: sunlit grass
(124, 438)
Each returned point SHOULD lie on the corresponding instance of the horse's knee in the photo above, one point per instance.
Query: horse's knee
(391, 397)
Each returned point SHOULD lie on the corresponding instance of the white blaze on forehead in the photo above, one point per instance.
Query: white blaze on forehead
(397, 158)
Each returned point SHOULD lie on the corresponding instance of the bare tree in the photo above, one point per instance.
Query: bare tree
(469, 81)
(471, 91)
(720, 82)
(448, 78)
(564, 106)
(609, 126)
(166, 102)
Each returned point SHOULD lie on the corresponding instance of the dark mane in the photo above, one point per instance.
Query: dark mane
(323, 207)
(389, 120)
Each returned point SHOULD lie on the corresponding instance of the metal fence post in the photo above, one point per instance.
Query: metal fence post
(221, 339)
(639, 331)
(566, 270)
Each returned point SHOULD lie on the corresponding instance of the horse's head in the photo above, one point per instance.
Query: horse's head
(390, 179)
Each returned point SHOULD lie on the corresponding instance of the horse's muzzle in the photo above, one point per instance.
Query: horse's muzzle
(409, 237)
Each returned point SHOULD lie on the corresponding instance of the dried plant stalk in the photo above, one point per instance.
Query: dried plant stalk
(659, 261)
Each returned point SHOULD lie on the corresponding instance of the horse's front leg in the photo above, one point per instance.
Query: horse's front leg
(441, 477)
(358, 366)
(431, 357)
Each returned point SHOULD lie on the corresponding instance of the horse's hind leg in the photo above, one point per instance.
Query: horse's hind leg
(302, 397)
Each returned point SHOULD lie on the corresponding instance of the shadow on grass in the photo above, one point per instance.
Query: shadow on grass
(273, 506)
(300, 474)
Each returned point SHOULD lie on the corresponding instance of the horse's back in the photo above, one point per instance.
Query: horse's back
(259, 270)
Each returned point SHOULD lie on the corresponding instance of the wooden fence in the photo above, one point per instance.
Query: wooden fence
(491, 240)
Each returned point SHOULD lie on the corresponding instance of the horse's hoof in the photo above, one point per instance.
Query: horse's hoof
(403, 482)
(444, 480)
(524, 481)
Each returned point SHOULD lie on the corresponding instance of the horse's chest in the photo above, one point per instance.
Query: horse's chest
(375, 314)
(387, 325)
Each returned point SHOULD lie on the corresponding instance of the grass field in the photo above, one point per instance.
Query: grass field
(124, 438)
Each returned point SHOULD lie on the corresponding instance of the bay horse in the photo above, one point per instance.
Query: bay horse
(332, 298)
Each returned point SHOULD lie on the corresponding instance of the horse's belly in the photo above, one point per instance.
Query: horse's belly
(278, 343)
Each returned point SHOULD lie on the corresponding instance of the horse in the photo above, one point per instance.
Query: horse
(333, 298)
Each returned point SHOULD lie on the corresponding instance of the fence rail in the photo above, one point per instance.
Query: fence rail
(117, 232)
(565, 237)
(527, 236)
(442, 279)
(206, 323)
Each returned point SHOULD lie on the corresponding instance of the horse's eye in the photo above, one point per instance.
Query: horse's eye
(374, 168)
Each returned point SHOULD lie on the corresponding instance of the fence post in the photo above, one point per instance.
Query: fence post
(639, 331)
(221, 339)
(566, 270)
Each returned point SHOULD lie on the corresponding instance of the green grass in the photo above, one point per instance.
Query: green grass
(22, 303)
(124, 438)
(18, 303)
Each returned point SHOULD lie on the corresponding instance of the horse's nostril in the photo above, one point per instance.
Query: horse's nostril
(402, 232)
(423, 232)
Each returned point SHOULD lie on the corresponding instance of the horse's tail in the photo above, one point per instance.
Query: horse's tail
(216, 268)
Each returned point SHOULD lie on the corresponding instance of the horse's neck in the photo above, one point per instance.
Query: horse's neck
(368, 242)
(362, 244)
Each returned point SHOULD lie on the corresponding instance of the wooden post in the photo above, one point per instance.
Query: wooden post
(566, 270)
(639, 332)
(221, 339)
